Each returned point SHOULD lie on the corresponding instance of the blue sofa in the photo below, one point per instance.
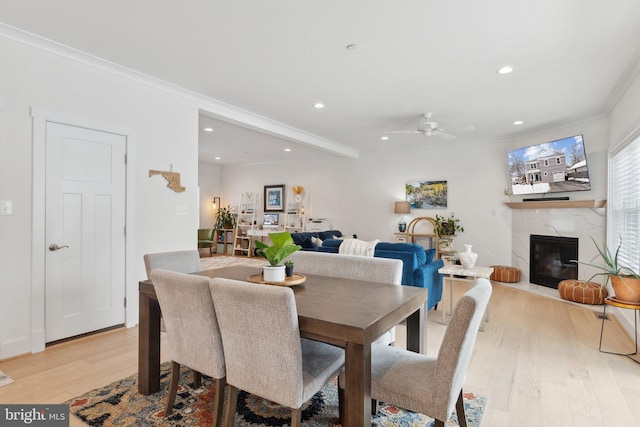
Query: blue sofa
(418, 266)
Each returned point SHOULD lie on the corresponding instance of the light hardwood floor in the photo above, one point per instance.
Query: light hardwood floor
(537, 362)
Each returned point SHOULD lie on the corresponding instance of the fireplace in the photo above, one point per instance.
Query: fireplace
(550, 259)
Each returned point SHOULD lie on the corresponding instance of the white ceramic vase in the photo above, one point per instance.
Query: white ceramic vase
(273, 274)
(467, 258)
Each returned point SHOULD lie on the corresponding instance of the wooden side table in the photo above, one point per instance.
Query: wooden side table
(612, 301)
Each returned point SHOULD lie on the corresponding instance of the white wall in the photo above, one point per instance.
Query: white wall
(209, 180)
(161, 128)
(357, 195)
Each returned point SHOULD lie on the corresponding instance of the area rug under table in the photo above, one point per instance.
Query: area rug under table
(120, 404)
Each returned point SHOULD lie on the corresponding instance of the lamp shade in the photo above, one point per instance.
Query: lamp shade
(402, 208)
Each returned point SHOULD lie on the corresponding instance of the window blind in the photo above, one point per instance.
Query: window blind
(624, 205)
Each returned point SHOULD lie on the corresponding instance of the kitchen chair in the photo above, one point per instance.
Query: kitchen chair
(263, 350)
(379, 270)
(205, 239)
(181, 262)
(429, 385)
(193, 332)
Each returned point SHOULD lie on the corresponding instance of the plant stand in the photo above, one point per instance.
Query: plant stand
(621, 304)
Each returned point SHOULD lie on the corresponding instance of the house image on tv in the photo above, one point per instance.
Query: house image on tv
(548, 166)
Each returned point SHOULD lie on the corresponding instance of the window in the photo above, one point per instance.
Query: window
(546, 162)
(624, 204)
(558, 161)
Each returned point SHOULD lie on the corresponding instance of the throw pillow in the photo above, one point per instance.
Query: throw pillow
(307, 243)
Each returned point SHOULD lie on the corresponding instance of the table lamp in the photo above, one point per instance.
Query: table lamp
(402, 208)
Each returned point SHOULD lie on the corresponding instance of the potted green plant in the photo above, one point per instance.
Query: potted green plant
(226, 218)
(288, 268)
(625, 281)
(446, 229)
(282, 246)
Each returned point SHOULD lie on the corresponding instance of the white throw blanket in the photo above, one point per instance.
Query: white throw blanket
(358, 247)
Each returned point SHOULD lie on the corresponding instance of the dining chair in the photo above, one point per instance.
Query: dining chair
(264, 352)
(193, 332)
(379, 270)
(181, 262)
(433, 385)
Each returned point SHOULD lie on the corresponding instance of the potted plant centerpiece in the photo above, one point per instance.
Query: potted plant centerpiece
(446, 229)
(281, 248)
(625, 281)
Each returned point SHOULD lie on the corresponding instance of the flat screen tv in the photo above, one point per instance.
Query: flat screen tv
(551, 167)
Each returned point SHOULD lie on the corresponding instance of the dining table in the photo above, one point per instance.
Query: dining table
(343, 312)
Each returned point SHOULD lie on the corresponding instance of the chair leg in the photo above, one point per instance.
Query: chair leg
(341, 407)
(462, 417)
(197, 379)
(218, 401)
(232, 403)
(173, 388)
(374, 406)
(296, 417)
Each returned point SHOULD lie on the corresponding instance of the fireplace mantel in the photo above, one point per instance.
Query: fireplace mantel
(557, 204)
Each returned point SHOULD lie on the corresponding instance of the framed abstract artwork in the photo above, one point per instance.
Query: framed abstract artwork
(426, 194)
(274, 198)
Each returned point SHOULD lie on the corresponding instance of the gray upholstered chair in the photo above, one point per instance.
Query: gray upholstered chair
(428, 385)
(262, 346)
(193, 332)
(379, 270)
(181, 262)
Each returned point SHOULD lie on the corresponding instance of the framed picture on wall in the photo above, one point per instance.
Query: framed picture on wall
(274, 198)
(426, 194)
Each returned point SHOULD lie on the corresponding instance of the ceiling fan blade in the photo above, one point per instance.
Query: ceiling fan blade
(445, 135)
(404, 131)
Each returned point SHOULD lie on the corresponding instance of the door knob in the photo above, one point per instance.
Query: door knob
(55, 247)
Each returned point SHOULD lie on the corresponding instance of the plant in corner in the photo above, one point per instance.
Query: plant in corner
(225, 218)
(282, 247)
(625, 282)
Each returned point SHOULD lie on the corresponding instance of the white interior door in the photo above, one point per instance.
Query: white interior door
(85, 219)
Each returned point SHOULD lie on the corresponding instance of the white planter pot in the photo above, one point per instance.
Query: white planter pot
(273, 274)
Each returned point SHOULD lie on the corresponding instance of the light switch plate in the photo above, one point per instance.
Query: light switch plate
(6, 207)
(182, 210)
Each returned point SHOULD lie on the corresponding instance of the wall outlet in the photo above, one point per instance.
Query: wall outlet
(182, 210)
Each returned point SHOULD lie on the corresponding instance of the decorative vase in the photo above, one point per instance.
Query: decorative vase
(402, 225)
(626, 288)
(467, 258)
(273, 274)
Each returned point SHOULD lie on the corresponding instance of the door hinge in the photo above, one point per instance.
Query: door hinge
(125, 302)
(125, 158)
(125, 231)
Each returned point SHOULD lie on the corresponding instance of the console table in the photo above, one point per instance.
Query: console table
(457, 272)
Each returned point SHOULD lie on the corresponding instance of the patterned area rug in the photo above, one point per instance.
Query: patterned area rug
(120, 404)
(5, 379)
(221, 261)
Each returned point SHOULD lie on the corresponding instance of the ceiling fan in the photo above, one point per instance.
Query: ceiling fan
(427, 127)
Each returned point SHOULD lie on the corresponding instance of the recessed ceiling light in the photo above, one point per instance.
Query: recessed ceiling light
(518, 122)
(318, 105)
(287, 149)
(208, 129)
(218, 158)
(505, 70)
(384, 138)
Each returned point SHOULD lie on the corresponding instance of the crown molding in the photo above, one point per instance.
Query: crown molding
(208, 105)
(623, 83)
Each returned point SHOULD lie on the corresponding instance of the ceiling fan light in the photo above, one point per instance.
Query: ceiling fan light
(318, 105)
(384, 138)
